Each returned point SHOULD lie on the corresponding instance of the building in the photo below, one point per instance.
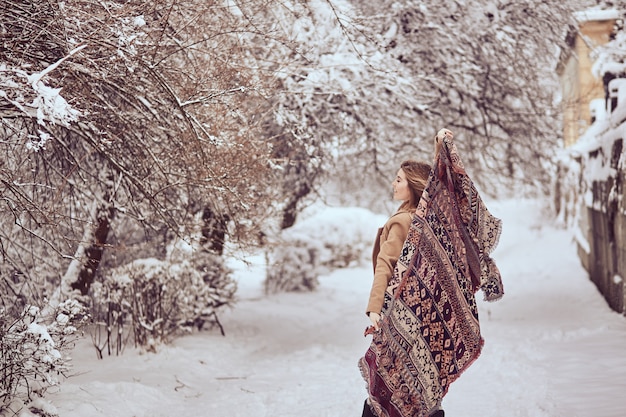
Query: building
(591, 175)
(578, 85)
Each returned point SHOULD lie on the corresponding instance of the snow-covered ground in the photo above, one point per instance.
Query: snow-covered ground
(553, 348)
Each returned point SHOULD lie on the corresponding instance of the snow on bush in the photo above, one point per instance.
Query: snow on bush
(155, 300)
(293, 267)
(330, 238)
(32, 352)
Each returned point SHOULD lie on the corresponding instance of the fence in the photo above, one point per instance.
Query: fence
(589, 196)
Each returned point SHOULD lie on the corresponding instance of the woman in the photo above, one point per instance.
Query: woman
(407, 187)
(432, 257)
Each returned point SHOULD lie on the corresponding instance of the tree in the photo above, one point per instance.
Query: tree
(161, 122)
(383, 77)
(484, 69)
(175, 108)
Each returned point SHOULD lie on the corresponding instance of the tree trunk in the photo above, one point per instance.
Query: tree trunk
(93, 254)
(73, 270)
(213, 231)
(82, 270)
(290, 211)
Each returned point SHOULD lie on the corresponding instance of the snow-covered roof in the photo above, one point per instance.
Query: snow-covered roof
(596, 15)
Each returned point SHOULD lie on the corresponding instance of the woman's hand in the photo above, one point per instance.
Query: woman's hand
(375, 318)
(443, 133)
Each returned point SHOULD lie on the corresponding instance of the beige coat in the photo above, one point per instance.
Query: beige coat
(387, 248)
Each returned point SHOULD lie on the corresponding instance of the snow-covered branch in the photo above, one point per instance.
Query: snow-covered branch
(33, 98)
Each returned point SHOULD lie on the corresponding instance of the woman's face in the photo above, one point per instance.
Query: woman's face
(400, 186)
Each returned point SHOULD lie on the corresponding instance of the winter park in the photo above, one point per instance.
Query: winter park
(312, 208)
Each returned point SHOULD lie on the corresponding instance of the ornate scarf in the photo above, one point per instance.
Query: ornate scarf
(430, 330)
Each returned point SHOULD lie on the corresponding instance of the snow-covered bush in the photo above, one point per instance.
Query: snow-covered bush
(32, 352)
(331, 238)
(155, 300)
(294, 267)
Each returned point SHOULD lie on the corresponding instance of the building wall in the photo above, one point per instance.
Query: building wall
(578, 84)
(589, 188)
(571, 93)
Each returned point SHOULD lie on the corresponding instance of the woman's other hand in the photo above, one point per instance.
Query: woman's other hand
(375, 318)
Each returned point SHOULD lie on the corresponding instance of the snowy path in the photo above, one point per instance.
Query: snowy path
(553, 348)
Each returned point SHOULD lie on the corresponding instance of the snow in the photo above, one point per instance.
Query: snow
(595, 148)
(617, 90)
(597, 107)
(596, 14)
(331, 231)
(553, 348)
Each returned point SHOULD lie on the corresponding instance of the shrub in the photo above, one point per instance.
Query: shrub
(332, 238)
(153, 301)
(293, 268)
(32, 352)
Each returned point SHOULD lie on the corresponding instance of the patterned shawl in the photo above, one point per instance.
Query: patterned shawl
(430, 331)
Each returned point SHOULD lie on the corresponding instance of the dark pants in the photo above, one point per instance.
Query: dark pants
(367, 411)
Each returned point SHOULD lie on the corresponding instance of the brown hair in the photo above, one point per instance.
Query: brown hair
(416, 176)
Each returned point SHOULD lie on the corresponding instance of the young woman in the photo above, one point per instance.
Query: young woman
(407, 187)
(430, 259)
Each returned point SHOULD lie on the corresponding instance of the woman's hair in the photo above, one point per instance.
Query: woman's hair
(416, 175)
